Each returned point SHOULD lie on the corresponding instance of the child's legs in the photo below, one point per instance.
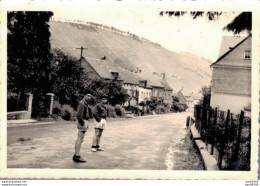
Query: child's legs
(79, 141)
(100, 131)
(94, 143)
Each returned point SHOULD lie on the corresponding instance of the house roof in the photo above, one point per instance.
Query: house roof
(102, 68)
(230, 50)
(166, 85)
(227, 43)
(248, 107)
(181, 97)
(129, 77)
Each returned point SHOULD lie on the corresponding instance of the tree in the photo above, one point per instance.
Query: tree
(205, 90)
(64, 78)
(175, 99)
(28, 52)
(113, 89)
(241, 23)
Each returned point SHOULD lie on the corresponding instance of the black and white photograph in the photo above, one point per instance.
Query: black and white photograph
(129, 87)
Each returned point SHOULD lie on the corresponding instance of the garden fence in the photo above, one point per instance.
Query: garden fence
(227, 136)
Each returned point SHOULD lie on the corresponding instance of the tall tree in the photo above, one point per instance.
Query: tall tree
(64, 81)
(28, 52)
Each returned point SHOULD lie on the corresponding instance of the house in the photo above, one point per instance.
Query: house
(137, 88)
(109, 67)
(145, 91)
(231, 77)
(167, 90)
(181, 97)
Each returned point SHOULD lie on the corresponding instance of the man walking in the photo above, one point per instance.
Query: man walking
(100, 115)
(82, 125)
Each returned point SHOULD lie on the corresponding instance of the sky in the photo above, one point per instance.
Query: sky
(199, 36)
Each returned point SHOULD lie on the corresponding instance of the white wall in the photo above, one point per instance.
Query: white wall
(235, 103)
(144, 93)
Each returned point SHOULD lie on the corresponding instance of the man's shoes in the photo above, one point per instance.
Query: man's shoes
(78, 159)
(93, 150)
(100, 149)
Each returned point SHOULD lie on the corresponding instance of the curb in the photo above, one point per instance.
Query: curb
(28, 124)
(210, 163)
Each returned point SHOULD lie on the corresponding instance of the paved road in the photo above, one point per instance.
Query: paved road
(137, 143)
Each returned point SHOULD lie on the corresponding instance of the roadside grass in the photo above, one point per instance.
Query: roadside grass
(186, 156)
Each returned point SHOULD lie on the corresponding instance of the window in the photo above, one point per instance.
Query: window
(247, 54)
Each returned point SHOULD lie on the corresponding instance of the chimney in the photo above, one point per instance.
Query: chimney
(164, 76)
(115, 75)
(145, 83)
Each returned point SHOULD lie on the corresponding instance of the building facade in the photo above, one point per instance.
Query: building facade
(231, 78)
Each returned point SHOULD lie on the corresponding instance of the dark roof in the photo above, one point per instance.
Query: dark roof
(181, 97)
(230, 50)
(101, 67)
(128, 76)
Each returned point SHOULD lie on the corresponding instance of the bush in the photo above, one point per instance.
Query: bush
(120, 111)
(56, 108)
(179, 107)
(66, 112)
(111, 111)
(133, 109)
(160, 109)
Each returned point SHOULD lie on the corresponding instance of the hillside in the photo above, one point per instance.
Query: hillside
(132, 53)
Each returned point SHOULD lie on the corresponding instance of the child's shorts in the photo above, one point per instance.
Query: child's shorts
(83, 128)
(101, 124)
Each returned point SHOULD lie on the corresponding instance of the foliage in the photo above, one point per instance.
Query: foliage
(66, 112)
(133, 109)
(160, 109)
(11, 101)
(120, 111)
(28, 53)
(210, 15)
(205, 90)
(111, 111)
(227, 135)
(113, 89)
(179, 107)
(241, 23)
(176, 99)
(64, 78)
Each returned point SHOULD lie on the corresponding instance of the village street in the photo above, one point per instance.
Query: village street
(151, 143)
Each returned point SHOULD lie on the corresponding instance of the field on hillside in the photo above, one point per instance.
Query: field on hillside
(182, 70)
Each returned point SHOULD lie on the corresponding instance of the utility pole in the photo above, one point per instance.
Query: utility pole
(80, 62)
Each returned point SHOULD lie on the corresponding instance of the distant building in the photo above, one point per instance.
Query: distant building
(231, 77)
(139, 88)
(145, 91)
(181, 97)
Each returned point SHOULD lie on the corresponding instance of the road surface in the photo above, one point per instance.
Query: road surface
(137, 143)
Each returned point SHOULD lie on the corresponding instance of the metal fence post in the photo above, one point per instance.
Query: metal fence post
(208, 126)
(223, 141)
(214, 129)
(237, 147)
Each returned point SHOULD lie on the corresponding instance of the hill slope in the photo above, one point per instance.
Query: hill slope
(132, 53)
